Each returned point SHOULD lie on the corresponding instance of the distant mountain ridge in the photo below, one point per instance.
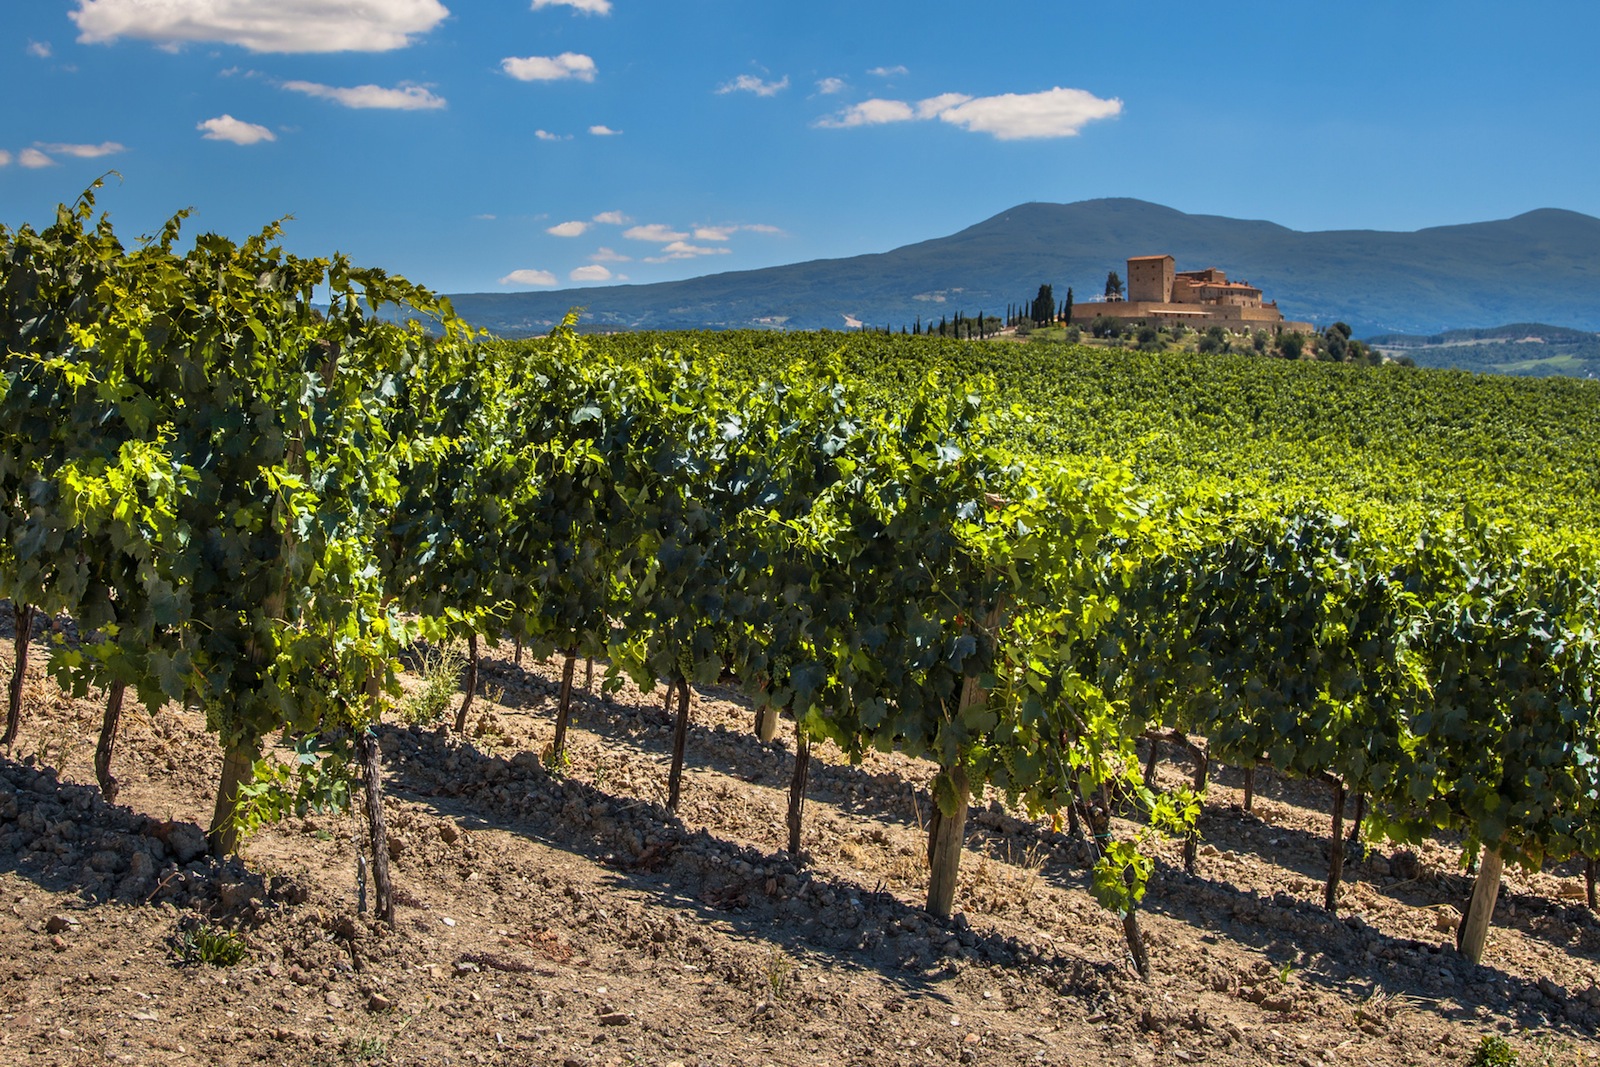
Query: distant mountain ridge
(1540, 266)
(1523, 348)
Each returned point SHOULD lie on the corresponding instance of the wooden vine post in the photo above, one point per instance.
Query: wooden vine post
(1474, 930)
(470, 682)
(23, 616)
(947, 832)
(766, 722)
(563, 708)
(797, 784)
(1202, 771)
(108, 742)
(680, 738)
(372, 767)
(1330, 899)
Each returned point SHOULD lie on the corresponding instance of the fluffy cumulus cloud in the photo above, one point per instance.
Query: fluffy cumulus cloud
(612, 218)
(594, 272)
(609, 255)
(401, 98)
(529, 277)
(34, 159)
(5, 161)
(546, 135)
(1007, 117)
(568, 229)
(584, 7)
(280, 26)
(82, 151)
(832, 86)
(749, 83)
(601, 130)
(568, 65)
(685, 250)
(228, 128)
(888, 72)
(1023, 116)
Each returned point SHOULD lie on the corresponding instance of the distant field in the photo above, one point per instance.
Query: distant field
(1525, 349)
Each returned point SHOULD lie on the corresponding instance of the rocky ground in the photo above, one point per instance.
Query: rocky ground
(569, 919)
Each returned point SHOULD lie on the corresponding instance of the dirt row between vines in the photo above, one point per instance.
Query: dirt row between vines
(569, 919)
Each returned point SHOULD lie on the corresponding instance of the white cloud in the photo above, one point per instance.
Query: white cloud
(684, 250)
(550, 68)
(34, 159)
(82, 151)
(604, 131)
(888, 72)
(713, 233)
(281, 26)
(654, 231)
(935, 106)
(228, 128)
(568, 229)
(612, 218)
(546, 135)
(5, 161)
(1008, 117)
(584, 7)
(402, 98)
(485, 217)
(39, 49)
(529, 277)
(609, 255)
(749, 83)
(1014, 117)
(870, 113)
(761, 227)
(830, 86)
(592, 273)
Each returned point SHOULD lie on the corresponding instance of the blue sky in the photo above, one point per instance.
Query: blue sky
(504, 145)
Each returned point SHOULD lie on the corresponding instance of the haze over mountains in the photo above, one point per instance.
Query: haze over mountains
(1542, 266)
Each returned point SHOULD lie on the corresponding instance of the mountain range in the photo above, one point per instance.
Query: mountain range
(1541, 266)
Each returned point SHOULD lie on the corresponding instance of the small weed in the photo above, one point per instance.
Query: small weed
(1493, 1051)
(440, 669)
(1286, 972)
(209, 944)
(779, 970)
(364, 1049)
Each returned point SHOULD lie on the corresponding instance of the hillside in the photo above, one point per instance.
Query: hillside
(1524, 348)
(1540, 266)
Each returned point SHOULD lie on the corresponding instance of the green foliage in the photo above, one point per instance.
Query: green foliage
(440, 671)
(211, 945)
(317, 778)
(1493, 1051)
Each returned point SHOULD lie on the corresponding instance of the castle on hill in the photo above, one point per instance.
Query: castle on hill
(1157, 292)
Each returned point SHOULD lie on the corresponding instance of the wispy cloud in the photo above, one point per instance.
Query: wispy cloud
(601, 130)
(34, 159)
(898, 70)
(654, 231)
(82, 151)
(1008, 117)
(304, 26)
(5, 161)
(832, 86)
(612, 218)
(228, 128)
(684, 250)
(39, 49)
(609, 255)
(594, 272)
(401, 98)
(485, 217)
(546, 135)
(749, 83)
(530, 277)
(568, 65)
(582, 7)
(567, 229)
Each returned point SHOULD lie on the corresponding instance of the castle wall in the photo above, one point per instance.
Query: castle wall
(1150, 279)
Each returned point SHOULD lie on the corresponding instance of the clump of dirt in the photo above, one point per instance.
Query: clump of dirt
(569, 918)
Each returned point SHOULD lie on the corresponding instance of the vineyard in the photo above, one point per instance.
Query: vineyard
(1048, 600)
